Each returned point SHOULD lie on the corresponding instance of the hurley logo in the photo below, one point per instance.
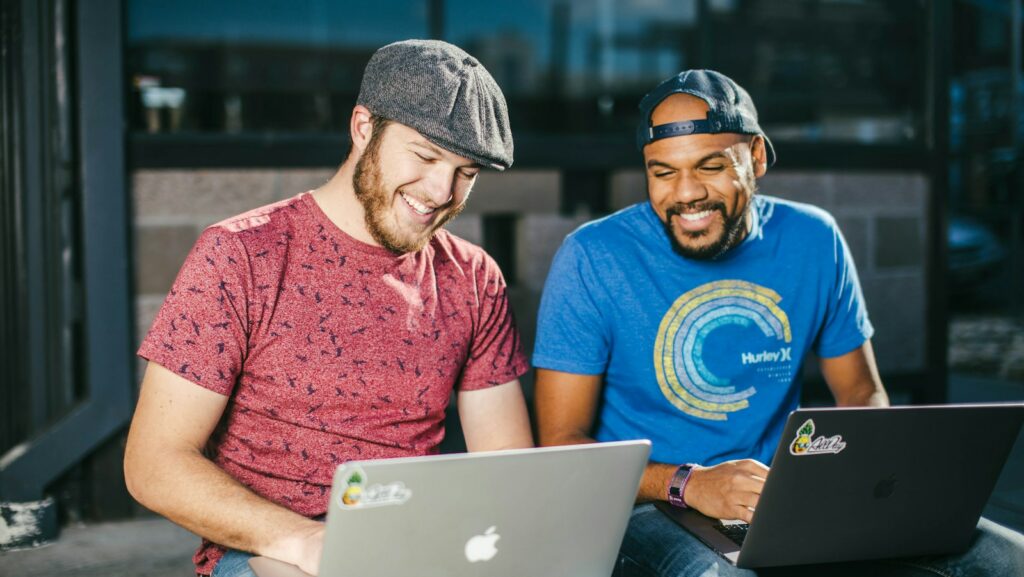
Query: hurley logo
(804, 444)
(781, 355)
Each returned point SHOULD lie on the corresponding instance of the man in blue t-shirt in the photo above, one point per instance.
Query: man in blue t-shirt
(686, 320)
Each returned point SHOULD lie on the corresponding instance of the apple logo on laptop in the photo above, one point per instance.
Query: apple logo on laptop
(482, 547)
(886, 487)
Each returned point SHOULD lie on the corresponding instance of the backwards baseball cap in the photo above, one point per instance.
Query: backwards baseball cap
(730, 109)
(445, 94)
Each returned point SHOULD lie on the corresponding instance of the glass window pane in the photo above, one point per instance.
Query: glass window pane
(819, 70)
(256, 65)
(576, 65)
(828, 70)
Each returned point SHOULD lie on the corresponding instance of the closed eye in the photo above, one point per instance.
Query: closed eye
(712, 168)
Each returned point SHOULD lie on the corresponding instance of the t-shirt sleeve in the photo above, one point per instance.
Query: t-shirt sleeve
(572, 334)
(200, 331)
(846, 325)
(496, 352)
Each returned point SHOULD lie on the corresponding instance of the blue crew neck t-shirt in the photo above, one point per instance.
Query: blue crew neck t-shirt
(701, 357)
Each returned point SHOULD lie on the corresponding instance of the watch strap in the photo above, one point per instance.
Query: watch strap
(677, 486)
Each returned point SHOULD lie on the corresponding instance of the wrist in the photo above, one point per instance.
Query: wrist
(293, 544)
(676, 494)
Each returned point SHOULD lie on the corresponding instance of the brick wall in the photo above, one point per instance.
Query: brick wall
(882, 215)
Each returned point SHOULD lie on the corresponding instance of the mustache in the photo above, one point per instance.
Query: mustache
(681, 208)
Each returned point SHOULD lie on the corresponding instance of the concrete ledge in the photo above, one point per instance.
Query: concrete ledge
(151, 547)
(31, 524)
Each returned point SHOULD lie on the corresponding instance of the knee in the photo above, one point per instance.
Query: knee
(654, 546)
(677, 561)
(997, 550)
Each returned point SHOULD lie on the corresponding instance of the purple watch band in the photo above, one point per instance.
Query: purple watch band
(677, 486)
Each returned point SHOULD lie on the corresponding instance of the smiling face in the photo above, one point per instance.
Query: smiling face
(701, 185)
(409, 187)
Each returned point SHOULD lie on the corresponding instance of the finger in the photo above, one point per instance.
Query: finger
(744, 499)
(747, 483)
(741, 513)
(749, 500)
(754, 467)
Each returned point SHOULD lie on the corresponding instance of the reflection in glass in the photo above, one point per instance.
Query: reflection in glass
(576, 65)
(256, 65)
(819, 70)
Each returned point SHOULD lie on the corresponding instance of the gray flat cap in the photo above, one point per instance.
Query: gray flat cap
(445, 94)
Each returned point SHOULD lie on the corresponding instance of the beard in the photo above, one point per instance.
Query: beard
(734, 228)
(378, 202)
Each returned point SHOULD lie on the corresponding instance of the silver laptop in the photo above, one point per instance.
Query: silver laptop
(558, 511)
(868, 483)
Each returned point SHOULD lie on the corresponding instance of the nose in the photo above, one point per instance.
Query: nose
(440, 184)
(689, 188)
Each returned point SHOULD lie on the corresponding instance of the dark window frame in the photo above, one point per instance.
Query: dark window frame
(533, 150)
(63, 432)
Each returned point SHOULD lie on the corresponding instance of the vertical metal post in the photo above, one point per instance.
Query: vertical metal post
(1015, 75)
(935, 388)
(98, 103)
(435, 18)
(14, 422)
(1017, 178)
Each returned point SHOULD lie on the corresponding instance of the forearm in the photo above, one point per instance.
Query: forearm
(654, 483)
(193, 492)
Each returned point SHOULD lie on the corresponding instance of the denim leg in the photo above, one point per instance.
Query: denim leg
(654, 546)
(233, 564)
(995, 551)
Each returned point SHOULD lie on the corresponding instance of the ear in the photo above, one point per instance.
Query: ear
(759, 156)
(360, 127)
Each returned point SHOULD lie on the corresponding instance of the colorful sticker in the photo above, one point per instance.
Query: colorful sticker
(357, 495)
(805, 444)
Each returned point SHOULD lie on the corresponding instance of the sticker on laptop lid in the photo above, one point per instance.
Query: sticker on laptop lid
(806, 444)
(359, 495)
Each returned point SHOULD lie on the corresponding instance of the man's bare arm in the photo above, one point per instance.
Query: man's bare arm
(566, 406)
(495, 418)
(166, 471)
(853, 378)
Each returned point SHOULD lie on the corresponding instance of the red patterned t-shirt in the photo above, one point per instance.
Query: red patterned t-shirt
(330, 349)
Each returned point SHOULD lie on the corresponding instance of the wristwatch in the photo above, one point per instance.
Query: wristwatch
(678, 484)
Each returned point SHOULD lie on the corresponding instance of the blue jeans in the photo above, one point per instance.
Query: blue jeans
(233, 564)
(655, 546)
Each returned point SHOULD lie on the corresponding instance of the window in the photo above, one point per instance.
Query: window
(236, 66)
(279, 78)
(819, 70)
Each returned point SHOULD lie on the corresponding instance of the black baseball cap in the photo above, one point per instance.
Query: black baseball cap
(730, 109)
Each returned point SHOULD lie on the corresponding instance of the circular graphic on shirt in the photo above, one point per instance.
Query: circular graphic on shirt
(697, 385)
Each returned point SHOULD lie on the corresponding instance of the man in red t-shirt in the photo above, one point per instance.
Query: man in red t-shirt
(334, 325)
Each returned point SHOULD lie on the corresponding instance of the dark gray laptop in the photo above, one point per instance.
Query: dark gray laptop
(559, 512)
(868, 483)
